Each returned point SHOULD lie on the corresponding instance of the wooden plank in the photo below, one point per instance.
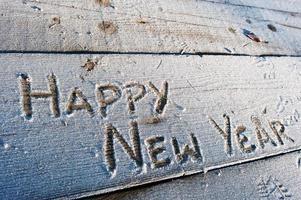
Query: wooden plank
(291, 6)
(273, 178)
(151, 26)
(88, 124)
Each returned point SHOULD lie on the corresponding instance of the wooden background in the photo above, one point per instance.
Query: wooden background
(224, 38)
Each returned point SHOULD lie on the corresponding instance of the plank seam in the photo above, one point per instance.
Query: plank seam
(178, 175)
(145, 53)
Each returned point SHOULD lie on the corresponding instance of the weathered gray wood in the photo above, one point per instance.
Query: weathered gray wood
(273, 178)
(68, 151)
(277, 6)
(151, 26)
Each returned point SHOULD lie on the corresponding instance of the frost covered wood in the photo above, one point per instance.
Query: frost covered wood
(271, 178)
(87, 124)
(151, 26)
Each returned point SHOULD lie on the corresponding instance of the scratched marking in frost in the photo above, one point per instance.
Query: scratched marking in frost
(275, 136)
(108, 94)
(272, 188)
(105, 96)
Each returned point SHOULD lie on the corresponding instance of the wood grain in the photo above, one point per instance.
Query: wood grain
(168, 26)
(54, 133)
(272, 178)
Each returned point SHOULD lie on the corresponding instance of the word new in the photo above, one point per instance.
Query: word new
(155, 146)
